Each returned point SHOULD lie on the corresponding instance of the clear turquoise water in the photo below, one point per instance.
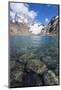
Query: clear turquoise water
(41, 48)
(37, 45)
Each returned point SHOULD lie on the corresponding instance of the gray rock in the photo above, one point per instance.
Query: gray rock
(18, 75)
(36, 66)
(38, 80)
(50, 78)
(32, 79)
(56, 70)
(53, 26)
(16, 71)
(12, 64)
(25, 57)
(51, 63)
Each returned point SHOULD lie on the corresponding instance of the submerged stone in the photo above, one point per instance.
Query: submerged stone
(36, 66)
(56, 70)
(32, 79)
(18, 75)
(50, 78)
(51, 63)
(12, 64)
(25, 57)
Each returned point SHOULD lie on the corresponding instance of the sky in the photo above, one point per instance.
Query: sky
(45, 12)
(40, 13)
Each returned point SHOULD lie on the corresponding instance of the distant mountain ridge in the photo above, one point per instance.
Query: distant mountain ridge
(22, 28)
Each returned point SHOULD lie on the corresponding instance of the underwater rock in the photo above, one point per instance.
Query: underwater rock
(51, 64)
(15, 84)
(16, 72)
(38, 80)
(12, 64)
(18, 75)
(56, 70)
(11, 77)
(27, 70)
(32, 79)
(50, 78)
(25, 57)
(36, 66)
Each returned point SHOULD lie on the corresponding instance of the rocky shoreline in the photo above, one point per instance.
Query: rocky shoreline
(26, 71)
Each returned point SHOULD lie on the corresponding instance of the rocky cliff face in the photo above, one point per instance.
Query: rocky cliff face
(53, 26)
(16, 28)
(19, 29)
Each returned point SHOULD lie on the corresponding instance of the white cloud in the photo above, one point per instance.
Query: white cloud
(19, 7)
(46, 20)
(32, 14)
(23, 10)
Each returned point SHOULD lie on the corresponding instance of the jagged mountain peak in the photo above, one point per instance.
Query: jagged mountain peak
(23, 28)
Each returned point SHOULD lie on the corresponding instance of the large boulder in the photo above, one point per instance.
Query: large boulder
(37, 66)
(16, 73)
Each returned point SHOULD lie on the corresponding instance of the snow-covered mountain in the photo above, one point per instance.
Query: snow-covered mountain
(36, 28)
(21, 27)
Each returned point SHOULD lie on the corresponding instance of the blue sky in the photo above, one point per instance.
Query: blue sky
(41, 13)
(45, 12)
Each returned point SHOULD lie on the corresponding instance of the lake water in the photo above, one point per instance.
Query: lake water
(37, 45)
(42, 49)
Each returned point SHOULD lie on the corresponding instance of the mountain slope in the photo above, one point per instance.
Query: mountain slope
(53, 26)
(19, 29)
(25, 29)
